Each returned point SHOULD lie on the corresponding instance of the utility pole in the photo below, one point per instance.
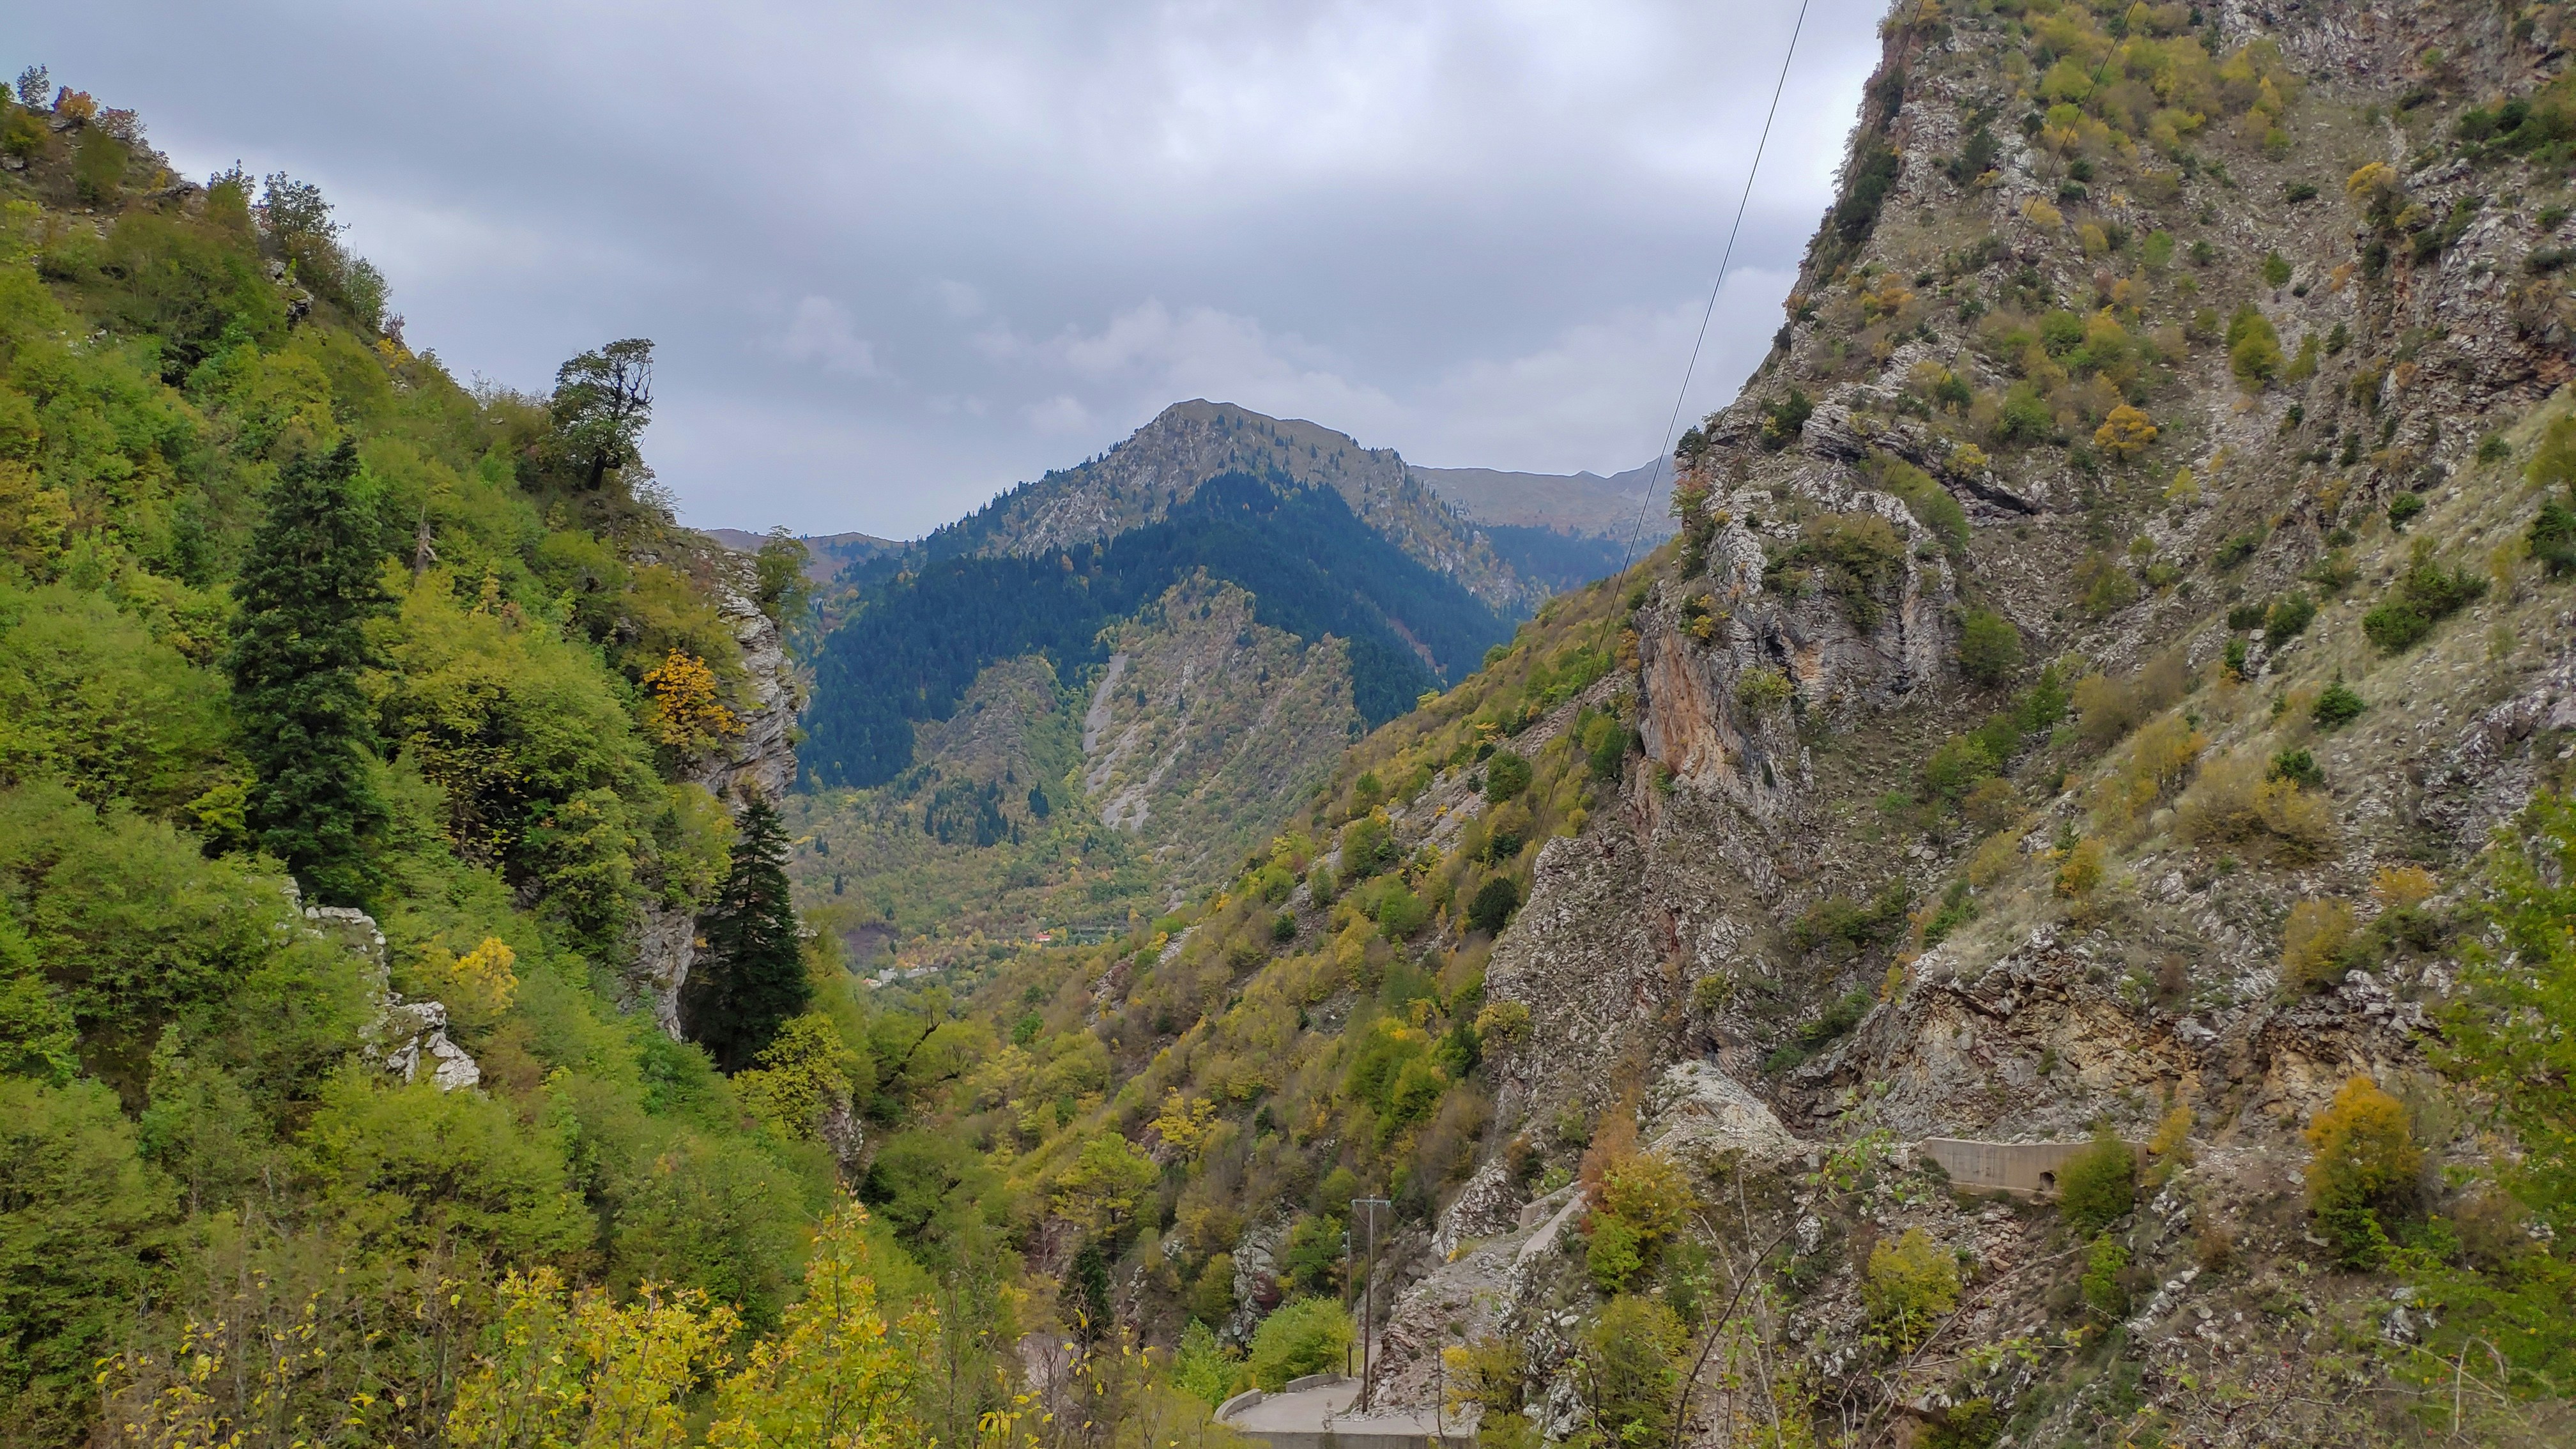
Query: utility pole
(1368, 1295)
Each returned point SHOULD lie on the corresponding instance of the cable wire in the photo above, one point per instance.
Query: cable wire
(1663, 451)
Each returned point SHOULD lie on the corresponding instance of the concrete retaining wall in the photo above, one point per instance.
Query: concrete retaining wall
(2027, 1168)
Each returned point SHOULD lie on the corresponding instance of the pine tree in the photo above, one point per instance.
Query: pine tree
(750, 978)
(299, 647)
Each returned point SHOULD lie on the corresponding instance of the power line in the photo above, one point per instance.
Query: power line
(1663, 451)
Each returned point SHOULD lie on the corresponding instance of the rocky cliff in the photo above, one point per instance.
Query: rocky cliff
(759, 757)
(2201, 355)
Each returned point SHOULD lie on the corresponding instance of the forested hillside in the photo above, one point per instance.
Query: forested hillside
(406, 1156)
(1313, 569)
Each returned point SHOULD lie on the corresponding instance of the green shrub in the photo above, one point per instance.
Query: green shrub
(2103, 587)
(1625, 1369)
(1211, 1296)
(1401, 914)
(2024, 417)
(2098, 1187)
(2253, 349)
(2424, 595)
(2299, 767)
(1989, 646)
(1493, 905)
(1783, 421)
(2337, 706)
(1615, 1253)
(1973, 1423)
(1907, 1286)
(2105, 1294)
(1506, 775)
(1762, 689)
(1957, 767)
(1858, 555)
(1852, 923)
(1958, 907)
(1605, 744)
(1306, 1336)
(1368, 847)
(2404, 509)
(1201, 1368)
(2288, 617)
(1929, 502)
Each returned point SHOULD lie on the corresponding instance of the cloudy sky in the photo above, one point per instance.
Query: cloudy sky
(896, 257)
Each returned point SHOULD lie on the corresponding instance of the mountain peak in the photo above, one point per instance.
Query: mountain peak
(1164, 463)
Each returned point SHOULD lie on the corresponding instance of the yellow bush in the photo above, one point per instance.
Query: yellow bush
(2312, 942)
(2125, 433)
(2171, 1146)
(686, 711)
(2184, 488)
(2364, 1157)
(2042, 215)
(2233, 804)
(2371, 182)
(2159, 759)
(2401, 887)
(2079, 871)
(1995, 859)
(1649, 1193)
(1503, 1021)
(1909, 1284)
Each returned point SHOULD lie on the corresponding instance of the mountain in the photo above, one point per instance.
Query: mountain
(1042, 802)
(2040, 916)
(1165, 462)
(827, 555)
(1584, 504)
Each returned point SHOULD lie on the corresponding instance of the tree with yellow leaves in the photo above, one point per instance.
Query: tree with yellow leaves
(686, 711)
(2365, 1160)
(576, 1371)
(2125, 433)
(839, 1375)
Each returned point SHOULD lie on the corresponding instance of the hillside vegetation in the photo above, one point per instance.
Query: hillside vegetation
(2110, 693)
(281, 601)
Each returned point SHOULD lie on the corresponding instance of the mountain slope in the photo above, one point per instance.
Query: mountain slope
(1577, 503)
(1312, 568)
(1039, 806)
(1164, 463)
(2002, 924)
(291, 1130)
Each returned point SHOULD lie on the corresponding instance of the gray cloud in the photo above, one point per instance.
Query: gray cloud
(898, 257)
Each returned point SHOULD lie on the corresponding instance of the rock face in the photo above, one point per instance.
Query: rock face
(1735, 949)
(762, 759)
(1164, 462)
(1207, 727)
(408, 1036)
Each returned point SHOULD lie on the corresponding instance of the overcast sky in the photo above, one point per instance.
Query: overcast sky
(898, 257)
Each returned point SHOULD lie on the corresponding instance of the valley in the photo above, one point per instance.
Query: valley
(2035, 910)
